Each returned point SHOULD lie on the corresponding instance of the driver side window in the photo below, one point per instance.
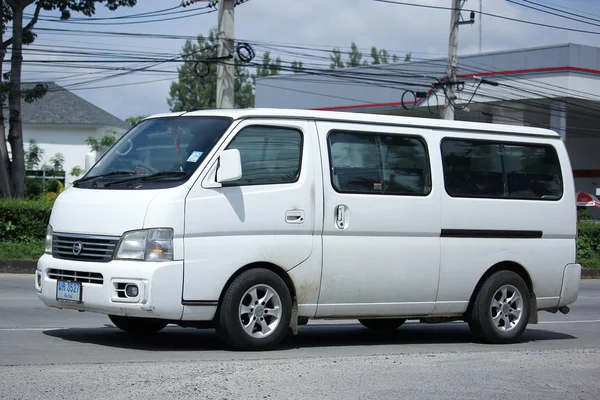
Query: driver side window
(270, 155)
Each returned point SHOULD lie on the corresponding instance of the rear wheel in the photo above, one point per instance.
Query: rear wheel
(137, 325)
(384, 324)
(255, 312)
(500, 311)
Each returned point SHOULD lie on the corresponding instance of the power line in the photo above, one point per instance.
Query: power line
(327, 48)
(119, 85)
(507, 88)
(493, 16)
(196, 13)
(568, 9)
(499, 106)
(538, 84)
(139, 15)
(105, 33)
(550, 12)
(350, 76)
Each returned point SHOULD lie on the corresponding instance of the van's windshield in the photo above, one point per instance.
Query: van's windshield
(157, 153)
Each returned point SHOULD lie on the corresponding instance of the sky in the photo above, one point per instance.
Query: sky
(292, 29)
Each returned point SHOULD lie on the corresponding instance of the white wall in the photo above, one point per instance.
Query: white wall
(68, 140)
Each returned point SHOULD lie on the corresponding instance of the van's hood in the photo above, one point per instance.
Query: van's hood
(105, 212)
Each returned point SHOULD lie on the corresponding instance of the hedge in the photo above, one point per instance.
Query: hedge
(24, 220)
(588, 250)
(31, 250)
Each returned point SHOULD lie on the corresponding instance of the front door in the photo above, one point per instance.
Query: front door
(382, 221)
(268, 216)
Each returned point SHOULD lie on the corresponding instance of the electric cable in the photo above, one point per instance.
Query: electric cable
(492, 15)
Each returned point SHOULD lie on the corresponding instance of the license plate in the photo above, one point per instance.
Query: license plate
(69, 292)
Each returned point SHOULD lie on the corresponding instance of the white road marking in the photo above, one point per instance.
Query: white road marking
(30, 329)
(570, 322)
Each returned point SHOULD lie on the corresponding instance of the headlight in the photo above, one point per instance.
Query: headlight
(49, 233)
(146, 245)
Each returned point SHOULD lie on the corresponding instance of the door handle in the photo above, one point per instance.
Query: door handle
(294, 217)
(340, 216)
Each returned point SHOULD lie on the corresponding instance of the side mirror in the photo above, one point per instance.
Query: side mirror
(230, 166)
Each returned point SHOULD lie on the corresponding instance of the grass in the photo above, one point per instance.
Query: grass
(21, 250)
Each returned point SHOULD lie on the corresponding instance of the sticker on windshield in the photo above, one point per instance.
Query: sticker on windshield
(195, 156)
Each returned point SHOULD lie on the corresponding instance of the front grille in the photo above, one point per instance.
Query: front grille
(76, 276)
(83, 247)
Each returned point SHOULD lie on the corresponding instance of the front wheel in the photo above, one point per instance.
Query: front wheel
(137, 325)
(255, 312)
(500, 311)
(384, 324)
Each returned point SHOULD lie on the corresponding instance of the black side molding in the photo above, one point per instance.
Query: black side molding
(490, 234)
(199, 302)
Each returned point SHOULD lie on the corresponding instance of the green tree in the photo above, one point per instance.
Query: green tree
(197, 82)
(268, 67)
(12, 172)
(100, 146)
(76, 171)
(57, 162)
(34, 155)
(134, 120)
(355, 57)
(297, 66)
(336, 59)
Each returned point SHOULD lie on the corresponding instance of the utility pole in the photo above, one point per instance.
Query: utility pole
(452, 60)
(452, 66)
(226, 67)
(480, 23)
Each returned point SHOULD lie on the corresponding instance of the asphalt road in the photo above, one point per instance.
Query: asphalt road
(47, 354)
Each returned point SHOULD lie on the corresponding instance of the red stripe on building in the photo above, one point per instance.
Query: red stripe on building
(534, 71)
(586, 173)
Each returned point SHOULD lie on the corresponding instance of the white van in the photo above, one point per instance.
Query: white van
(255, 221)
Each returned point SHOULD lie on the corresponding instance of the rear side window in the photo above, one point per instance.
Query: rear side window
(501, 170)
(270, 155)
(379, 164)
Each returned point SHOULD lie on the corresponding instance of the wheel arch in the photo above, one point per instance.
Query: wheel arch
(502, 266)
(276, 269)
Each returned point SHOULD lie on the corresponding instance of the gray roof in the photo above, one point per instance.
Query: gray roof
(62, 107)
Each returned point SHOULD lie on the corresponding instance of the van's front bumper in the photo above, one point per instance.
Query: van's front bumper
(159, 283)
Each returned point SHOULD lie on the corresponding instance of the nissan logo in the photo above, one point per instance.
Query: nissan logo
(77, 248)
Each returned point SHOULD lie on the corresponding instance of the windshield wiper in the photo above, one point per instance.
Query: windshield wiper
(147, 177)
(89, 178)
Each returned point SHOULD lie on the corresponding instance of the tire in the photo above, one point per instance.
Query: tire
(494, 317)
(383, 324)
(139, 326)
(242, 307)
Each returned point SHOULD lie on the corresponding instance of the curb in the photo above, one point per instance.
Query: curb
(590, 273)
(18, 266)
(29, 267)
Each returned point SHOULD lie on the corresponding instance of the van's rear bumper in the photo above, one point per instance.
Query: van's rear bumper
(160, 287)
(570, 284)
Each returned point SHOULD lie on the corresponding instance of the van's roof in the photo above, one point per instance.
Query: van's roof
(415, 122)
